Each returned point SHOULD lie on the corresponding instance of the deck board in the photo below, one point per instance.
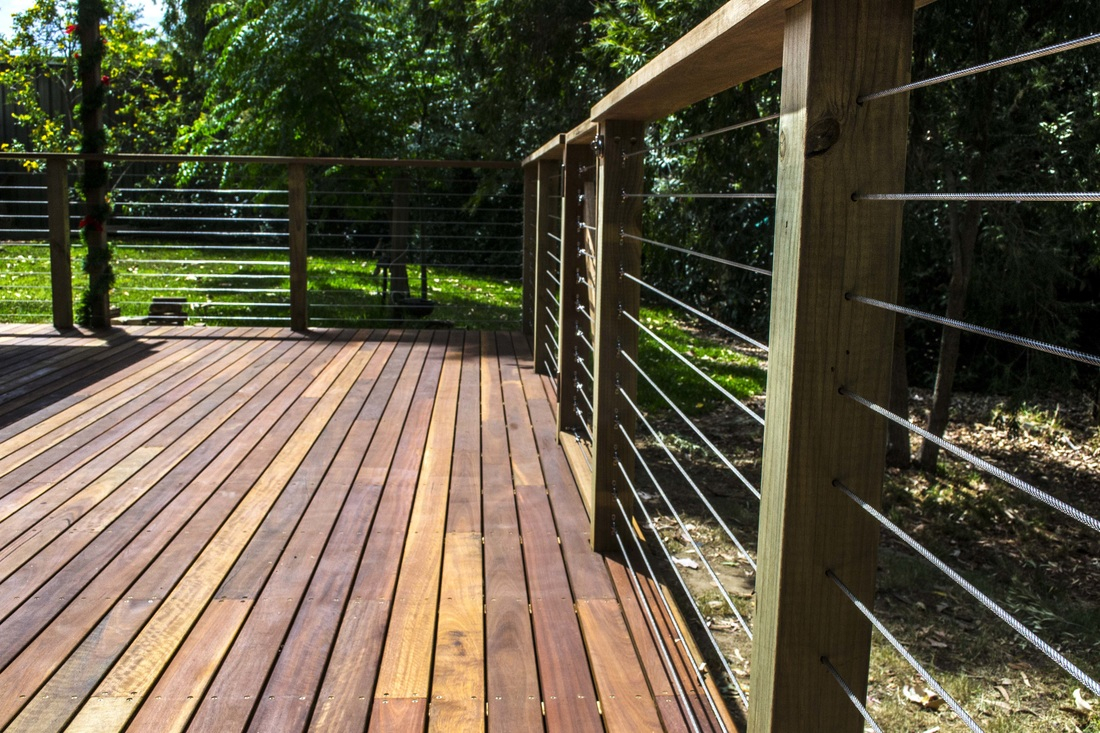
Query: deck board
(253, 529)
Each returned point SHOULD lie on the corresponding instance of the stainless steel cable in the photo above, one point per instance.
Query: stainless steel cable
(554, 298)
(689, 195)
(985, 600)
(585, 341)
(686, 534)
(710, 380)
(554, 257)
(552, 374)
(1051, 501)
(683, 585)
(552, 276)
(932, 682)
(582, 225)
(580, 443)
(1003, 197)
(553, 359)
(683, 416)
(584, 423)
(695, 311)
(691, 482)
(700, 255)
(555, 237)
(982, 331)
(584, 312)
(643, 601)
(584, 367)
(851, 695)
(584, 395)
(989, 66)
(703, 135)
(584, 251)
(553, 338)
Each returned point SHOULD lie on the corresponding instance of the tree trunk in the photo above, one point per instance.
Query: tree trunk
(897, 442)
(964, 230)
(398, 255)
(964, 239)
(93, 85)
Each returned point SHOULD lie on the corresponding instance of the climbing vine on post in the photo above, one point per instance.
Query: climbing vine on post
(95, 305)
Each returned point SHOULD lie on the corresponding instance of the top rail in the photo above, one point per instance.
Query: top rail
(265, 160)
(740, 41)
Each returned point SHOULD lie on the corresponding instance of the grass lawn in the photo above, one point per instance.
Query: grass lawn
(251, 286)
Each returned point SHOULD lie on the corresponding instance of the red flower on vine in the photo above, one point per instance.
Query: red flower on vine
(71, 29)
(91, 224)
(106, 80)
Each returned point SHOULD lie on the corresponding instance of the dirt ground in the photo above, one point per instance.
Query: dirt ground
(1043, 567)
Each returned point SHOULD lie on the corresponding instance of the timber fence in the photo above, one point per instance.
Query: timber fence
(811, 513)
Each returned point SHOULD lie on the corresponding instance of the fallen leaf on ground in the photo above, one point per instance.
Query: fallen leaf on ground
(686, 562)
(926, 698)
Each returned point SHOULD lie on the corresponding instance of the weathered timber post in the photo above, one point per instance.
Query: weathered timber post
(831, 148)
(616, 215)
(299, 301)
(61, 261)
(578, 166)
(530, 215)
(549, 187)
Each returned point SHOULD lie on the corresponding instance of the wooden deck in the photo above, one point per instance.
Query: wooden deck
(220, 530)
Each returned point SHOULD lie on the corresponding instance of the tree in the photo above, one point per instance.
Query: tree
(89, 52)
(1023, 128)
(43, 58)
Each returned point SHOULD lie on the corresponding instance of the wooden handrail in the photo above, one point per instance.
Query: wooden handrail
(265, 160)
(740, 41)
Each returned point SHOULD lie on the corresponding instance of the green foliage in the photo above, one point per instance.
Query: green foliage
(324, 77)
(1036, 265)
(44, 47)
(741, 375)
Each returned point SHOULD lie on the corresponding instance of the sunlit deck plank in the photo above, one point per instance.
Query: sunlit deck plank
(458, 675)
(308, 531)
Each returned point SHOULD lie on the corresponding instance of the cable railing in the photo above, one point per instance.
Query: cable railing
(212, 241)
(662, 252)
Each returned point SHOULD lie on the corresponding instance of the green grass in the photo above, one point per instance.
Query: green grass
(741, 375)
(251, 287)
(241, 286)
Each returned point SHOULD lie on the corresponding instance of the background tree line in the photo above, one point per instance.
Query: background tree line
(496, 78)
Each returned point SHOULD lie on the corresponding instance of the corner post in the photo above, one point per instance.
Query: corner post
(299, 299)
(61, 267)
(616, 216)
(549, 203)
(827, 243)
(577, 167)
(530, 216)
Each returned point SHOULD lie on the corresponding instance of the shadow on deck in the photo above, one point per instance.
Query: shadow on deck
(219, 530)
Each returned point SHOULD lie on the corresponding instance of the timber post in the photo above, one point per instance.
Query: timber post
(530, 216)
(299, 299)
(578, 192)
(827, 244)
(548, 203)
(616, 216)
(61, 261)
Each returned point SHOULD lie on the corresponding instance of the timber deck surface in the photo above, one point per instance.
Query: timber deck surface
(231, 529)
